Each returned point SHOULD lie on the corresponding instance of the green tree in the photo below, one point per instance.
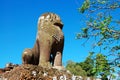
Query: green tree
(94, 65)
(88, 65)
(102, 26)
(75, 69)
(101, 66)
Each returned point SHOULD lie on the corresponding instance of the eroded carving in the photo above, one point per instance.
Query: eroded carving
(49, 43)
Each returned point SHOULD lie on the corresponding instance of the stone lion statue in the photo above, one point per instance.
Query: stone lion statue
(49, 43)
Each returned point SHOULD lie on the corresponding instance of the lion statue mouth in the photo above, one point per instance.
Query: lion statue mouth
(60, 24)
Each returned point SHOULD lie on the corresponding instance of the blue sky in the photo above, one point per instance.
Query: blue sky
(18, 27)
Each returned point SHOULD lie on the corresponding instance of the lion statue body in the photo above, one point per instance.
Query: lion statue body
(49, 42)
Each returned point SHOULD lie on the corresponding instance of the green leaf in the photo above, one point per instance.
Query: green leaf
(118, 65)
(99, 43)
(85, 30)
(101, 1)
(115, 36)
(78, 36)
(85, 6)
(91, 20)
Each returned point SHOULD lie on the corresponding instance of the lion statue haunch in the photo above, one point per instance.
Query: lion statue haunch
(49, 43)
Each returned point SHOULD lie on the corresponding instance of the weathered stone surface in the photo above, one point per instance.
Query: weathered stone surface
(33, 72)
(8, 67)
(49, 43)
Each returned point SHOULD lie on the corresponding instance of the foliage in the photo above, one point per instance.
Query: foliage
(101, 66)
(88, 65)
(85, 6)
(94, 65)
(103, 26)
(75, 69)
